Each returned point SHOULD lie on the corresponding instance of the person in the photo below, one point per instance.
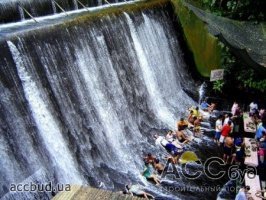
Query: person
(211, 107)
(196, 112)
(174, 158)
(158, 166)
(149, 159)
(160, 140)
(259, 133)
(226, 129)
(262, 148)
(181, 137)
(239, 154)
(170, 136)
(137, 190)
(182, 124)
(190, 118)
(148, 174)
(204, 105)
(242, 193)
(170, 147)
(196, 129)
(235, 109)
(228, 148)
(218, 128)
(228, 117)
(262, 113)
(253, 108)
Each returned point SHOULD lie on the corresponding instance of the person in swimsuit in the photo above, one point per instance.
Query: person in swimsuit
(148, 174)
(138, 191)
(228, 148)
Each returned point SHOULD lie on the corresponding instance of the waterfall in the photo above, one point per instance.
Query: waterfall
(202, 90)
(53, 6)
(21, 13)
(75, 3)
(46, 123)
(80, 104)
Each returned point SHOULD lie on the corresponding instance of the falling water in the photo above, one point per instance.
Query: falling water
(75, 3)
(53, 6)
(84, 101)
(202, 90)
(21, 13)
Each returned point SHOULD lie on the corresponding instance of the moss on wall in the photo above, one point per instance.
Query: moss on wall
(204, 46)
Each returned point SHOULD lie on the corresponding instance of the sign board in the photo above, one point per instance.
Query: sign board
(217, 74)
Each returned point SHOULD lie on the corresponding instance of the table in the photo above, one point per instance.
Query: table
(253, 159)
(254, 184)
(249, 125)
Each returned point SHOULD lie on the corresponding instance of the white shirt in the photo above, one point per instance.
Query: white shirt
(218, 125)
(161, 141)
(253, 107)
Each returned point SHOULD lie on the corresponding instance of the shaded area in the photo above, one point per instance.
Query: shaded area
(248, 40)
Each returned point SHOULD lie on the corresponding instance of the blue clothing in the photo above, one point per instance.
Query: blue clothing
(204, 105)
(217, 135)
(147, 171)
(259, 132)
(241, 196)
(171, 148)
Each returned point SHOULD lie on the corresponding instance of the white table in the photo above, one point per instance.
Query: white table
(253, 159)
(254, 184)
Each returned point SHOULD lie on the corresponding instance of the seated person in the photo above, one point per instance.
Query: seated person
(158, 166)
(170, 147)
(211, 107)
(148, 174)
(196, 124)
(137, 190)
(190, 118)
(170, 136)
(196, 112)
(182, 138)
(149, 159)
(204, 105)
(182, 124)
(174, 158)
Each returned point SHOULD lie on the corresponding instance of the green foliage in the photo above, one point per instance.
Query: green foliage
(239, 76)
(237, 9)
(218, 86)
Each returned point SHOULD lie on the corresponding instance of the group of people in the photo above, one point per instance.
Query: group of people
(174, 141)
(233, 145)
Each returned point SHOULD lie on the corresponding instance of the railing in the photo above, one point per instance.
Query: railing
(55, 5)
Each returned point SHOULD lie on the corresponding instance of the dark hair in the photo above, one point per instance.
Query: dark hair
(157, 160)
(197, 108)
(247, 187)
(229, 123)
(181, 119)
(149, 154)
(126, 188)
(220, 116)
(125, 192)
